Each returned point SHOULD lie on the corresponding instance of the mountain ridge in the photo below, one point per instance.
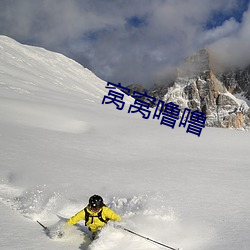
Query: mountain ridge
(199, 87)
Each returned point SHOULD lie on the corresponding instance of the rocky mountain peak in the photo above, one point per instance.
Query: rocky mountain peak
(197, 64)
(198, 87)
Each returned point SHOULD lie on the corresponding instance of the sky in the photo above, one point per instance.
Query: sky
(132, 41)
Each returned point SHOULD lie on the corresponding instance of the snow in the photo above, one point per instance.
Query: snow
(242, 99)
(59, 145)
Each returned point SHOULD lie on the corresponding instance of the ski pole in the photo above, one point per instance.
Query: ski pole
(45, 228)
(146, 238)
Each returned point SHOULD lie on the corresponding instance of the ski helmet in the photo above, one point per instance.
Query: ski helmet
(95, 202)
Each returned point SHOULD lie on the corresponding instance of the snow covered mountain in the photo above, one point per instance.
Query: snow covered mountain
(59, 145)
(223, 97)
(237, 81)
(31, 73)
(197, 87)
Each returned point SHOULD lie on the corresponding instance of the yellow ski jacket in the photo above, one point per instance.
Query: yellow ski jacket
(94, 223)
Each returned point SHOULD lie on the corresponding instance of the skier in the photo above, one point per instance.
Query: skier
(95, 214)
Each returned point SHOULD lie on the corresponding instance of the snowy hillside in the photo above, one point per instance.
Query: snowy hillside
(59, 145)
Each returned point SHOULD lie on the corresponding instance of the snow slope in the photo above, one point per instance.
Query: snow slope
(59, 145)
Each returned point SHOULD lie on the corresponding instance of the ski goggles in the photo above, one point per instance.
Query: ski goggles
(94, 208)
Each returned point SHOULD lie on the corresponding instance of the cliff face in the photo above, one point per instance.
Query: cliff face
(198, 87)
(237, 81)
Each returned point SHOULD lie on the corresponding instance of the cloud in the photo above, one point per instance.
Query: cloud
(232, 50)
(228, 28)
(125, 41)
